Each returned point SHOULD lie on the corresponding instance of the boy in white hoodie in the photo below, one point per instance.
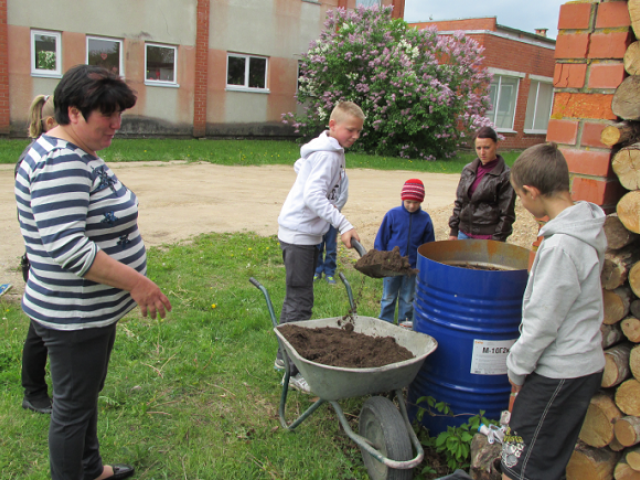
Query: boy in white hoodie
(556, 365)
(308, 212)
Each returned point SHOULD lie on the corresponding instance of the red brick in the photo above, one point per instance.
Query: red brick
(591, 135)
(588, 162)
(582, 105)
(606, 75)
(562, 131)
(574, 16)
(613, 14)
(600, 192)
(609, 44)
(572, 45)
(569, 75)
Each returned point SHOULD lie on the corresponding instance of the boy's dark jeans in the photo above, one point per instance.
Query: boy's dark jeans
(300, 264)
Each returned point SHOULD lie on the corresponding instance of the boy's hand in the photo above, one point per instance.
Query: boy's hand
(452, 237)
(348, 235)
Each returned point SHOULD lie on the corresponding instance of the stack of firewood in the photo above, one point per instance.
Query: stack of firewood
(609, 444)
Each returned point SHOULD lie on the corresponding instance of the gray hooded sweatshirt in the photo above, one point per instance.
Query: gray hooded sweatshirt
(309, 208)
(562, 308)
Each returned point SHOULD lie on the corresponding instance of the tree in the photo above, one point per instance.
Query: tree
(422, 93)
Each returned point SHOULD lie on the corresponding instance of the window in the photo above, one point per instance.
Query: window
(105, 52)
(161, 64)
(46, 54)
(504, 94)
(539, 104)
(247, 73)
(368, 3)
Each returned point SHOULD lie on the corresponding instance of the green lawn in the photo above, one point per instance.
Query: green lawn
(195, 395)
(245, 152)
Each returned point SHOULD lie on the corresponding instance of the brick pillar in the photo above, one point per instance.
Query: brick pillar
(5, 124)
(398, 9)
(202, 68)
(592, 39)
(343, 3)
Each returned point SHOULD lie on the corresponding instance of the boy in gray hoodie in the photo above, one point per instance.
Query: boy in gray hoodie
(308, 212)
(555, 367)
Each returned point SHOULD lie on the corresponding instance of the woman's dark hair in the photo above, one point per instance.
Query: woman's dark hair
(89, 88)
(486, 132)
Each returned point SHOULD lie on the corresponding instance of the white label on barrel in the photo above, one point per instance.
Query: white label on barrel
(490, 357)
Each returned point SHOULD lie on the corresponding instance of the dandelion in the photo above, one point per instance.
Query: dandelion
(213, 306)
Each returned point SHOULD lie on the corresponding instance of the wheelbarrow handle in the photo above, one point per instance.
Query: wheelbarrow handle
(272, 312)
(358, 246)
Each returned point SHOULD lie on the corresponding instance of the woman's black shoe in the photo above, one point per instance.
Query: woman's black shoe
(40, 405)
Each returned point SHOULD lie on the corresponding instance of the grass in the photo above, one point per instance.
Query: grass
(195, 396)
(246, 152)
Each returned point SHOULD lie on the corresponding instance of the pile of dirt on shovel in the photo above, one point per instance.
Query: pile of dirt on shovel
(342, 347)
(389, 260)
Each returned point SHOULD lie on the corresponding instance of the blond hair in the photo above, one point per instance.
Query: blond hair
(41, 109)
(346, 109)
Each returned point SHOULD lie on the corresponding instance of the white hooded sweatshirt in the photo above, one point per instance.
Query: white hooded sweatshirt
(563, 309)
(309, 207)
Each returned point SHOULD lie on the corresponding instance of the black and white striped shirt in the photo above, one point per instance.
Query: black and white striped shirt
(70, 206)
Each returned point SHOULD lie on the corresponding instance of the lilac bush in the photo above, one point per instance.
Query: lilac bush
(422, 93)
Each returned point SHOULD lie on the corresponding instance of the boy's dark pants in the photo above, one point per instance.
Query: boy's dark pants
(544, 427)
(300, 264)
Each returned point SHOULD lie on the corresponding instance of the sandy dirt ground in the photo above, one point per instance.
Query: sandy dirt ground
(179, 200)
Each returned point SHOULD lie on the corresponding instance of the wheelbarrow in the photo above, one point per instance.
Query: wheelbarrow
(385, 435)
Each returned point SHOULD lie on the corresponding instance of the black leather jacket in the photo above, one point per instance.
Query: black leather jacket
(491, 209)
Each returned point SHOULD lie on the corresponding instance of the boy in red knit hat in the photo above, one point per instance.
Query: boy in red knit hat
(406, 227)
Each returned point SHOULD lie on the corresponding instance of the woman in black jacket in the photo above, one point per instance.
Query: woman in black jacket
(485, 203)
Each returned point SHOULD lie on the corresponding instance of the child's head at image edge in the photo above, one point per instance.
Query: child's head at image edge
(542, 168)
(345, 123)
(412, 194)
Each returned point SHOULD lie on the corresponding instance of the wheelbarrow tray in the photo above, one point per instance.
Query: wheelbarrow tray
(334, 383)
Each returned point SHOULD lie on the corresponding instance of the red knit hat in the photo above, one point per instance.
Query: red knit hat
(413, 190)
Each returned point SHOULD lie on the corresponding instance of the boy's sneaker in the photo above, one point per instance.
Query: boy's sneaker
(297, 382)
(317, 276)
(278, 364)
(331, 280)
(408, 324)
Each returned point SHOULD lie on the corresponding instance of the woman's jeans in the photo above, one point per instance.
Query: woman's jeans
(78, 361)
(401, 289)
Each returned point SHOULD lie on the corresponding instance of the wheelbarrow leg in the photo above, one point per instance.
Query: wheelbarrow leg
(287, 374)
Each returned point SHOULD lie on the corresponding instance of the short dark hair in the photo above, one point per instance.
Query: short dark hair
(486, 132)
(89, 88)
(542, 166)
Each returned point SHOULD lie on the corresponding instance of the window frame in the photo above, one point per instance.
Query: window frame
(498, 72)
(379, 4)
(38, 72)
(162, 83)
(540, 80)
(110, 39)
(246, 87)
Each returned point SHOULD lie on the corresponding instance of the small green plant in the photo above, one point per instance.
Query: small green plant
(455, 443)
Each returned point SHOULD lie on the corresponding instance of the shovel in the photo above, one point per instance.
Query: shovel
(373, 271)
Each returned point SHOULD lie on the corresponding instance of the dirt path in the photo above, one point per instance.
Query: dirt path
(179, 200)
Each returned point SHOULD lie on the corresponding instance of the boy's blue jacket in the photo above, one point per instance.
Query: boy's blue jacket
(405, 230)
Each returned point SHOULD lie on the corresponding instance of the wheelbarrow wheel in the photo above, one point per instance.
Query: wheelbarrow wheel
(382, 424)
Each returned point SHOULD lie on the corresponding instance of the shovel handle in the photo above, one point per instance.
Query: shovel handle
(358, 246)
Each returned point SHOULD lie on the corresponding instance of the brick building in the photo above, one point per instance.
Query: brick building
(592, 40)
(199, 67)
(522, 65)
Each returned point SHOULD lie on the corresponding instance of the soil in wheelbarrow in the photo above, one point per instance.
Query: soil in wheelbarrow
(390, 261)
(342, 347)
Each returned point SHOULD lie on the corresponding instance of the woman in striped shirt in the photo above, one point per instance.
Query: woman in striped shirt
(88, 260)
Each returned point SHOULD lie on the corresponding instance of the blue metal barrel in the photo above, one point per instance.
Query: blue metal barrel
(474, 315)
